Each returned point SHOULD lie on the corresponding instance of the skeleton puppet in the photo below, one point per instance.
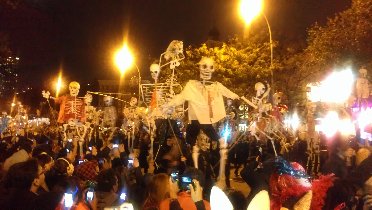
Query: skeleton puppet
(261, 97)
(71, 107)
(206, 107)
(109, 113)
(362, 87)
(131, 123)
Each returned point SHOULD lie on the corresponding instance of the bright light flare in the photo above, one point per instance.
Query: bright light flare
(292, 122)
(123, 59)
(249, 9)
(336, 88)
(59, 84)
(331, 124)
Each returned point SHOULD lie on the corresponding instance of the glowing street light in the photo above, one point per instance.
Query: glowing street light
(250, 9)
(123, 59)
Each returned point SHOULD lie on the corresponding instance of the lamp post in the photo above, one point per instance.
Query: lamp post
(249, 9)
(125, 60)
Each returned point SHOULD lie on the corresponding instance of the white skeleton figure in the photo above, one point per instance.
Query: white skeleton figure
(260, 99)
(89, 109)
(109, 113)
(206, 106)
(132, 121)
(155, 71)
(206, 68)
(362, 87)
(155, 95)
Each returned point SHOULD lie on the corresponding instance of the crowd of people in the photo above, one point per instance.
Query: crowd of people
(40, 172)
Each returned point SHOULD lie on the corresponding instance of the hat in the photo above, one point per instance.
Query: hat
(87, 170)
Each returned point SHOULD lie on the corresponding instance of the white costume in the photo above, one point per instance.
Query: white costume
(205, 102)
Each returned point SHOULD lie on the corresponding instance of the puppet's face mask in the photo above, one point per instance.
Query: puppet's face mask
(88, 99)
(133, 101)
(74, 88)
(260, 88)
(206, 67)
(107, 100)
(155, 70)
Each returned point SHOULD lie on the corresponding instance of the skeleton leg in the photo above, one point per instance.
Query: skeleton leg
(195, 155)
(223, 158)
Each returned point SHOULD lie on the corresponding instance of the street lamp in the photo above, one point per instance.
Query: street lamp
(124, 60)
(249, 9)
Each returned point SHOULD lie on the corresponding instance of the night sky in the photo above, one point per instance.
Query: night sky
(81, 35)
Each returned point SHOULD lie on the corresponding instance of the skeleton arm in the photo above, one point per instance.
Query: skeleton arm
(248, 102)
(226, 92)
(266, 92)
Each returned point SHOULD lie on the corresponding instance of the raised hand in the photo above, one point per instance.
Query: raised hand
(46, 94)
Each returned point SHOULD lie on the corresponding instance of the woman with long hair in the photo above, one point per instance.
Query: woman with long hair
(158, 190)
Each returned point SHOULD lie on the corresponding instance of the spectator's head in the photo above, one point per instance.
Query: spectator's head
(107, 181)
(87, 170)
(45, 161)
(105, 163)
(237, 199)
(63, 167)
(24, 175)
(158, 188)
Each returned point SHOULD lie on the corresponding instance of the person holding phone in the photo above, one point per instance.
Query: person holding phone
(186, 193)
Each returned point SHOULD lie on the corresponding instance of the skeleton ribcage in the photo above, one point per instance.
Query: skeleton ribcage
(165, 91)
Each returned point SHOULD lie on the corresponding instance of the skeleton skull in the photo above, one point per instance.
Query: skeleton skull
(260, 89)
(206, 67)
(74, 88)
(133, 101)
(155, 70)
(108, 100)
(88, 99)
(277, 98)
(363, 72)
(71, 123)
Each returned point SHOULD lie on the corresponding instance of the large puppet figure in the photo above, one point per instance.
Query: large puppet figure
(109, 113)
(131, 123)
(71, 107)
(206, 106)
(362, 87)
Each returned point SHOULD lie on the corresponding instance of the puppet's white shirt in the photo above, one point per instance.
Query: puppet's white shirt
(205, 102)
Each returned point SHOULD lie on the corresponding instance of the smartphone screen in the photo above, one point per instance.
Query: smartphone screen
(185, 181)
(115, 146)
(130, 163)
(123, 196)
(68, 200)
(174, 176)
(90, 148)
(90, 195)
